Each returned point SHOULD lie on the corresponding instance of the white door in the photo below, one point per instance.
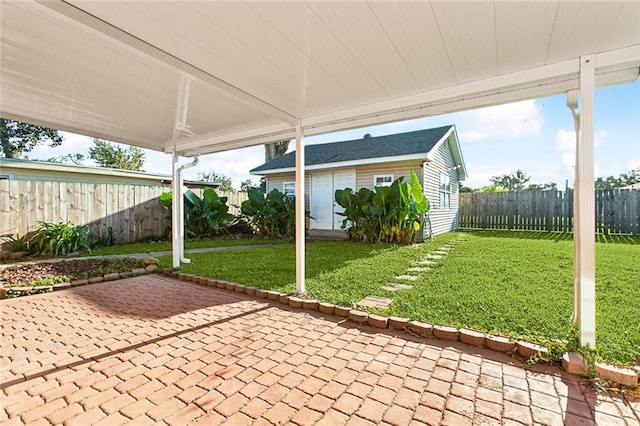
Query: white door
(321, 203)
(323, 207)
(341, 180)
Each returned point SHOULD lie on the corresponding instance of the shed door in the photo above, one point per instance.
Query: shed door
(341, 180)
(322, 204)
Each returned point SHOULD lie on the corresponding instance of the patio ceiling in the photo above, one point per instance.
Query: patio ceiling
(212, 76)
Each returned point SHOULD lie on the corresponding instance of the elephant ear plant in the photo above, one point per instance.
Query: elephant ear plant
(202, 216)
(391, 214)
(273, 214)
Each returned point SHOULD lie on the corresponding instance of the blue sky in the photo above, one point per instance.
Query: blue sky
(536, 136)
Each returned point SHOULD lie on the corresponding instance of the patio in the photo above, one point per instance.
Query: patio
(153, 349)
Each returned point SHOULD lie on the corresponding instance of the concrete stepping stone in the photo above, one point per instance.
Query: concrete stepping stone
(426, 262)
(375, 302)
(407, 277)
(418, 269)
(440, 253)
(445, 248)
(434, 256)
(398, 286)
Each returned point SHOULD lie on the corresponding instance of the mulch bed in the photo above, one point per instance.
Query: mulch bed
(74, 269)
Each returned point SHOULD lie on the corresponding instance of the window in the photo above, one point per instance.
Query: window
(445, 191)
(382, 180)
(289, 188)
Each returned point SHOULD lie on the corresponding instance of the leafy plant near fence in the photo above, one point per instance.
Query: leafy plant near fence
(61, 238)
(19, 243)
(388, 214)
(273, 215)
(204, 216)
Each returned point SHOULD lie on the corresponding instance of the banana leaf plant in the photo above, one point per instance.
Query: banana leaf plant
(273, 214)
(389, 214)
(203, 217)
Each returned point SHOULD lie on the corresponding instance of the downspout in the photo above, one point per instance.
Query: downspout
(181, 208)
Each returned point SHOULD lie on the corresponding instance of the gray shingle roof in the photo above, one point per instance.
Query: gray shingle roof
(417, 142)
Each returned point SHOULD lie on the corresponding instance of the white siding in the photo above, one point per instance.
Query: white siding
(442, 220)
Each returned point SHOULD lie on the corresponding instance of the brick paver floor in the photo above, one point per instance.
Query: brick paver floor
(155, 350)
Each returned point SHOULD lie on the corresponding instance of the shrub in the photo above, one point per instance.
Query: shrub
(61, 238)
(204, 216)
(20, 243)
(390, 214)
(273, 215)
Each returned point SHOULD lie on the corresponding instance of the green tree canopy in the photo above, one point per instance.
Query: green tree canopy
(512, 181)
(17, 138)
(612, 182)
(549, 186)
(226, 184)
(110, 155)
(247, 184)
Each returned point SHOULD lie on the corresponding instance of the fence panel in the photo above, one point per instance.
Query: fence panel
(133, 211)
(617, 211)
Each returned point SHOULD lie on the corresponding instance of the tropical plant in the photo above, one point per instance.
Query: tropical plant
(202, 216)
(107, 240)
(61, 238)
(19, 243)
(388, 214)
(273, 215)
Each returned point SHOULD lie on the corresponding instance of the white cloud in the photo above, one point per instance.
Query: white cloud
(509, 121)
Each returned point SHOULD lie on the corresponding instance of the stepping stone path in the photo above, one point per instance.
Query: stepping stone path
(407, 277)
(396, 287)
(420, 266)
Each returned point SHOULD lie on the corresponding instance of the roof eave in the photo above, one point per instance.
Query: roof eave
(344, 164)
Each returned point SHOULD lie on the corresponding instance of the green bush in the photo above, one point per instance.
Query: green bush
(390, 214)
(203, 217)
(61, 238)
(273, 215)
(20, 243)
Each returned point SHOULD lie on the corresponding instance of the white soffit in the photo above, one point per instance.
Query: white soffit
(211, 76)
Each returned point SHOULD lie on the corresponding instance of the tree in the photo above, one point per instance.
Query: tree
(633, 176)
(549, 186)
(463, 188)
(275, 150)
(247, 184)
(226, 184)
(74, 158)
(612, 182)
(511, 182)
(112, 156)
(17, 138)
(492, 188)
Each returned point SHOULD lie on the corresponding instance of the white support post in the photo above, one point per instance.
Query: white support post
(584, 208)
(300, 216)
(175, 212)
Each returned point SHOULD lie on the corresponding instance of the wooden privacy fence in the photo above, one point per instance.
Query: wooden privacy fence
(133, 211)
(617, 211)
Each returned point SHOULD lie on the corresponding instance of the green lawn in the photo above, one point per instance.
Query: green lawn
(166, 246)
(513, 283)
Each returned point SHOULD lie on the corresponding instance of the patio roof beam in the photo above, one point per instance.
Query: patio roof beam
(616, 66)
(174, 62)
